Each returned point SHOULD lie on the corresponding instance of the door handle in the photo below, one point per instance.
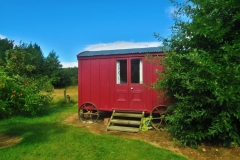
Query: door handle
(132, 88)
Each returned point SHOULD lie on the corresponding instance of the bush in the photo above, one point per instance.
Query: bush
(202, 73)
(206, 98)
(23, 96)
(19, 93)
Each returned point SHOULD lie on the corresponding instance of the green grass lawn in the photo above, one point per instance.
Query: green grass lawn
(47, 137)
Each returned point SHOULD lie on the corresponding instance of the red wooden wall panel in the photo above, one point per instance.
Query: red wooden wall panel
(104, 83)
(148, 81)
(112, 81)
(94, 81)
(79, 83)
(85, 81)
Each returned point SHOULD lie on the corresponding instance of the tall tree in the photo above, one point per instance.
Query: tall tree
(5, 45)
(53, 66)
(35, 57)
(202, 72)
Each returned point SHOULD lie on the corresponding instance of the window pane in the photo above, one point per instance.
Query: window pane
(121, 67)
(136, 71)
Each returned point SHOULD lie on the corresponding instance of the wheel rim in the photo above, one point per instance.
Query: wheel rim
(88, 113)
(158, 117)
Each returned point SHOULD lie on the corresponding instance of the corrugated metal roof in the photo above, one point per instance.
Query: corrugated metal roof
(120, 51)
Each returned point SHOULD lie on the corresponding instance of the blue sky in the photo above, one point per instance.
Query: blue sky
(71, 26)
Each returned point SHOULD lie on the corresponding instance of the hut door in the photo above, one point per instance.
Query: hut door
(136, 87)
(129, 91)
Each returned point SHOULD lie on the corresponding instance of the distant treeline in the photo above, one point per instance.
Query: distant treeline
(39, 65)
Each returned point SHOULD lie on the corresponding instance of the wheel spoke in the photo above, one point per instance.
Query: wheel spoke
(84, 107)
(158, 115)
(94, 113)
(158, 110)
(88, 112)
(159, 124)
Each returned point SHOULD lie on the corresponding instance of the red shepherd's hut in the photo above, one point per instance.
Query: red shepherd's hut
(116, 80)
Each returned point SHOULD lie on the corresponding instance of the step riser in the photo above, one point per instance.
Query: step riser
(126, 129)
(127, 115)
(126, 122)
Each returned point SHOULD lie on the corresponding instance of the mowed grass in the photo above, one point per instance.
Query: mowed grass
(48, 137)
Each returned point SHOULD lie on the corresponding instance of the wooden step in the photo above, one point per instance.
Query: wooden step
(133, 115)
(121, 128)
(122, 121)
(128, 121)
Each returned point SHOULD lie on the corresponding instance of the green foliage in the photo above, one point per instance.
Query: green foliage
(67, 77)
(53, 66)
(17, 62)
(72, 73)
(19, 93)
(202, 72)
(5, 44)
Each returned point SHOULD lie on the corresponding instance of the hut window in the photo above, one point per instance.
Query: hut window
(136, 71)
(121, 70)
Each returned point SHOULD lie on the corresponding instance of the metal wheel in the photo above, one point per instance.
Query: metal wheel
(158, 117)
(88, 112)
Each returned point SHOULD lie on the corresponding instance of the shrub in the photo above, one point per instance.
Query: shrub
(202, 73)
(19, 94)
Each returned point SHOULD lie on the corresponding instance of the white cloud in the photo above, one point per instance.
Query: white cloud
(2, 37)
(120, 45)
(170, 10)
(69, 64)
